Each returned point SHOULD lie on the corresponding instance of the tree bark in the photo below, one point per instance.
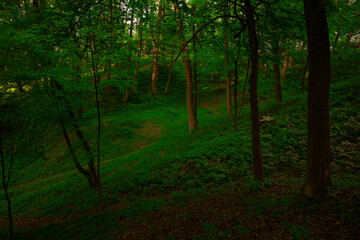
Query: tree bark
(236, 78)
(155, 39)
(80, 136)
(255, 124)
(318, 157)
(155, 71)
(244, 87)
(169, 76)
(277, 84)
(285, 66)
(127, 90)
(227, 67)
(195, 87)
(68, 144)
(304, 74)
(138, 54)
(189, 92)
(5, 182)
(94, 68)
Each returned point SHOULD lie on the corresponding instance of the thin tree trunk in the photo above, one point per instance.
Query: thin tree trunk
(169, 76)
(318, 156)
(5, 182)
(236, 76)
(285, 66)
(195, 79)
(277, 84)
(72, 154)
(80, 136)
(304, 74)
(92, 50)
(155, 71)
(276, 69)
(227, 67)
(69, 146)
(138, 54)
(243, 92)
(155, 39)
(127, 90)
(255, 129)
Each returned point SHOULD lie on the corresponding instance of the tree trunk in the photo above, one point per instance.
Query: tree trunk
(138, 54)
(255, 125)
(285, 66)
(5, 182)
(227, 67)
(236, 77)
(169, 76)
(195, 78)
(127, 91)
(318, 158)
(189, 92)
(155, 39)
(94, 68)
(69, 146)
(155, 71)
(244, 87)
(80, 136)
(304, 74)
(277, 84)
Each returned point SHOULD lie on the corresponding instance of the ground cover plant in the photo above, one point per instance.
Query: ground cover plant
(179, 119)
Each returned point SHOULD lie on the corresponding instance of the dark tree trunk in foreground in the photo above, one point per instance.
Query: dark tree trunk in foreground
(5, 183)
(318, 162)
(255, 124)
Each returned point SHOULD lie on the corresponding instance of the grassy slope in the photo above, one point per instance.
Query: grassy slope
(161, 183)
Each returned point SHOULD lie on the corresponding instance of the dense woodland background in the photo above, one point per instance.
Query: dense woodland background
(172, 119)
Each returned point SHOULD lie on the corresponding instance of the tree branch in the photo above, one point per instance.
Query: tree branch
(196, 33)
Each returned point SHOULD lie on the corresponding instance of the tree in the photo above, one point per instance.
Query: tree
(255, 124)
(318, 158)
(6, 176)
(227, 67)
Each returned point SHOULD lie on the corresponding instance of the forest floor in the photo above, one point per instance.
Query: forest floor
(159, 182)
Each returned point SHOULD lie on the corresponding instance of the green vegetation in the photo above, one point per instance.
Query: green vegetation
(162, 175)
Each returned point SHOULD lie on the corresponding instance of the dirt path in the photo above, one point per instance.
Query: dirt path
(146, 66)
